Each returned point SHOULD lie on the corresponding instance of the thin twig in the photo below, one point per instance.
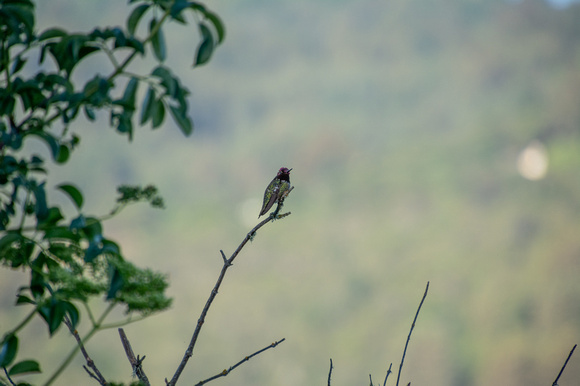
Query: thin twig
(90, 363)
(387, 376)
(227, 371)
(224, 257)
(227, 263)
(91, 374)
(24, 322)
(410, 332)
(8, 376)
(330, 372)
(371, 379)
(71, 355)
(563, 367)
(124, 322)
(135, 362)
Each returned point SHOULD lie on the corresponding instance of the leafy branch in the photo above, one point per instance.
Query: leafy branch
(70, 260)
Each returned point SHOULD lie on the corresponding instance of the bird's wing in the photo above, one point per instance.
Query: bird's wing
(271, 201)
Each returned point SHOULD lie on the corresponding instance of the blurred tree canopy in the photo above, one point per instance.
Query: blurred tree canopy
(69, 259)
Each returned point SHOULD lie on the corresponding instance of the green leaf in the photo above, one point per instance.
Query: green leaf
(176, 11)
(111, 247)
(37, 281)
(167, 80)
(8, 240)
(182, 120)
(212, 17)
(56, 317)
(117, 283)
(19, 62)
(23, 299)
(63, 154)
(73, 192)
(53, 312)
(18, 15)
(93, 251)
(6, 104)
(89, 113)
(70, 50)
(218, 25)
(135, 16)
(146, 107)
(96, 92)
(124, 124)
(64, 232)
(93, 228)
(40, 207)
(157, 113)
(205, 49)
(8, 350)
(52, 33)
(157, 41)
(136, 44)
(53, 217)
(23, 367)
(130, 92)
(72, 312)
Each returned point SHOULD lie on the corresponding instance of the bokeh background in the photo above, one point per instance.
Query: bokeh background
(429, 141)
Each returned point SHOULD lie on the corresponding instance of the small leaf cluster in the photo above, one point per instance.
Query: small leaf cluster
(70, 260)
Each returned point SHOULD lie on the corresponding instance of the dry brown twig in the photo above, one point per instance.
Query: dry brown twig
(330, 372)
(225, 372)
(228, 262)
(136, 362)
(563, 367)
(410, 332)
(96, 374)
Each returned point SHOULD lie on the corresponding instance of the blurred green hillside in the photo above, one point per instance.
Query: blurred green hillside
(403, 122)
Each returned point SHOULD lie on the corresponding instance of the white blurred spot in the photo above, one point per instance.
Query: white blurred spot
(248, 212)
(533, 161)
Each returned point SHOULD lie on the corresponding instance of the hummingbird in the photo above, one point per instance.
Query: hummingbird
(277, 190)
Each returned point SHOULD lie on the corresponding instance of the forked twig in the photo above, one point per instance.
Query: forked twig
(563, 367)
(96, 374)
(136, 362)
(388, 373)
(245, 359)
(410, 332)
(227, 263)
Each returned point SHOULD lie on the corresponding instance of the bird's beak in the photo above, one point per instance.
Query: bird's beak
(290, 169)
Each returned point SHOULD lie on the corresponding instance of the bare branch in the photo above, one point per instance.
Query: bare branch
(90, 363)
(330, 372)
(8, 376)
(410, 332)
(371, 379)
(91, 374)
(224, 256)
(226, 372)
(136, 363)
(387, 376)
(563, 367)
(227, 263)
